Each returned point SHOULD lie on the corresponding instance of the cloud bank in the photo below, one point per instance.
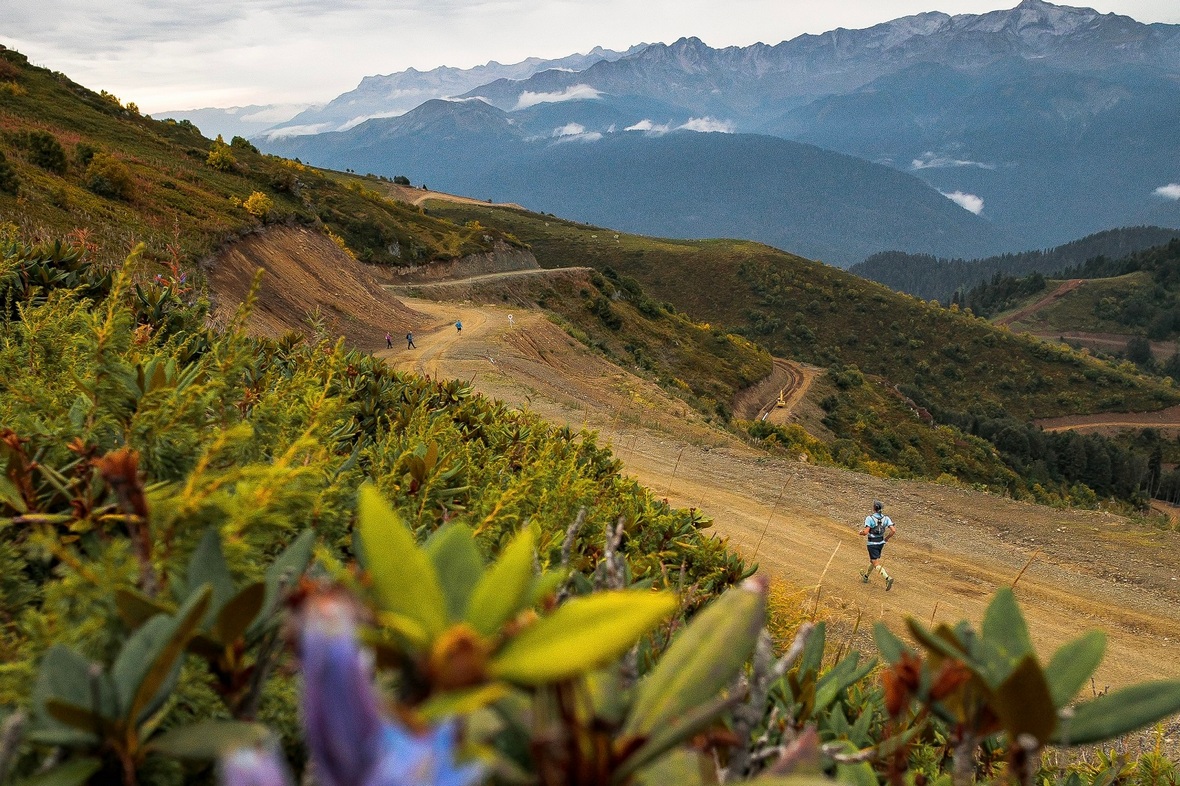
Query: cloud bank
(575, 132)
(571, 93)
(1170, 191)
(968, 202)
(703, 125)
(931, 160)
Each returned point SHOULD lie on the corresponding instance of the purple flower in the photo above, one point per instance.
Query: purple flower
(341, 718)
(426, 760)
(351, 743)
(253, 767)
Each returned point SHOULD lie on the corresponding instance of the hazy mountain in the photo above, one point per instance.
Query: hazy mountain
(683, 184)
(393, 94)
(244, 121)
(1050, 122)
(754, 83)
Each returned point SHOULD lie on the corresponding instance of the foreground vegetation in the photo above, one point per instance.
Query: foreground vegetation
(164, 487)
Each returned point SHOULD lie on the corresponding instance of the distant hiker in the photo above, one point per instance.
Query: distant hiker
(388, 341)
(410, 341)
(511, 321)
(878, 528)
(458, 327)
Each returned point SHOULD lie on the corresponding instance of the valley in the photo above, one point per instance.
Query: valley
(954, 548)
(1077, 569)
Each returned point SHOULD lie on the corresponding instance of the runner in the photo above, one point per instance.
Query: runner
(410, 341)
(878, 528)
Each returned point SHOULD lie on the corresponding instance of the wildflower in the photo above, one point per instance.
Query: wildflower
(351, 742)
(254, 767)
(340, 711)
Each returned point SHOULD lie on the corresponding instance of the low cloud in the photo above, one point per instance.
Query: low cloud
(356, 121)
(930, 160)
(279, 113)
(575, 132)
(311, 128)
(708, 125)
(1170, 191)
(648, 127)
(573, 93)
(968, 202)
(705, 125)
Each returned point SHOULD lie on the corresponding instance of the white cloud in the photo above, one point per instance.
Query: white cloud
(571, 93)
(1170, 191)
(706, 125)
(279, 113)
(968, 202)
(709, 125)
(930, 160)
(356, 121)
(311, 128)
(575, 132)
(648, 127)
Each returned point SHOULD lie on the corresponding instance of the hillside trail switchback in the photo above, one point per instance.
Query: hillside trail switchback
(1078, 569)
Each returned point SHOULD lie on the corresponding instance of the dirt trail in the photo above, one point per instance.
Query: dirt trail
(1166, 420)
(1061, 291)
(788, 382)
(954, 547)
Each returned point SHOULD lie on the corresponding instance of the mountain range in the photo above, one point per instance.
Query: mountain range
(1046, 122)
(379, 96)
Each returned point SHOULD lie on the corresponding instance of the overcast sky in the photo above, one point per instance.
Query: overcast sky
(183, 54)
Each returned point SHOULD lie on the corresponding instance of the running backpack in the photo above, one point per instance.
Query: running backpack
(877, 528)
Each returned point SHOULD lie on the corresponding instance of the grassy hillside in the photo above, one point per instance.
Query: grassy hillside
(815, 313)
(75, 161)
(932, 278)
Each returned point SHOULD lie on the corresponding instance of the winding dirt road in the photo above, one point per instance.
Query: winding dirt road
(799, 522)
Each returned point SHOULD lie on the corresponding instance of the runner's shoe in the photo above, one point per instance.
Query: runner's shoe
(864, 576)
(888, 583)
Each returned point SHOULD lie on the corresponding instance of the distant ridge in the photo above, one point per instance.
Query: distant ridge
(1048, 122)
(931, 278)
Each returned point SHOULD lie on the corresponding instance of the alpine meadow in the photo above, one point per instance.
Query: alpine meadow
(561, 471)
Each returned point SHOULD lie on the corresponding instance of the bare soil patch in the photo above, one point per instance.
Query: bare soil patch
(304, 272)
(1166, 420)
(1061, 291)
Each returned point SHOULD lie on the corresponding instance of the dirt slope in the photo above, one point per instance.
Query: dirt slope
(305, 271)
(1061, 291)
(954, 547)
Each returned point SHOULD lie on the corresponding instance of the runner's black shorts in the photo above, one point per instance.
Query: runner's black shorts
(875, 550)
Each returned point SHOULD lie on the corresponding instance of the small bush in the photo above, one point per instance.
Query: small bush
(258, 204)
(9, 182)
(109, 177)
(83, 153)
(45, 151)
(241, 143)
(220, 157)
(401, 180)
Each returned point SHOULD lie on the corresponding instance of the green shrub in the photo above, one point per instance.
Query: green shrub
(109, 177)
(83, 153)
(45, 151)
(220, 157)
(258, 205)
(9, 182)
